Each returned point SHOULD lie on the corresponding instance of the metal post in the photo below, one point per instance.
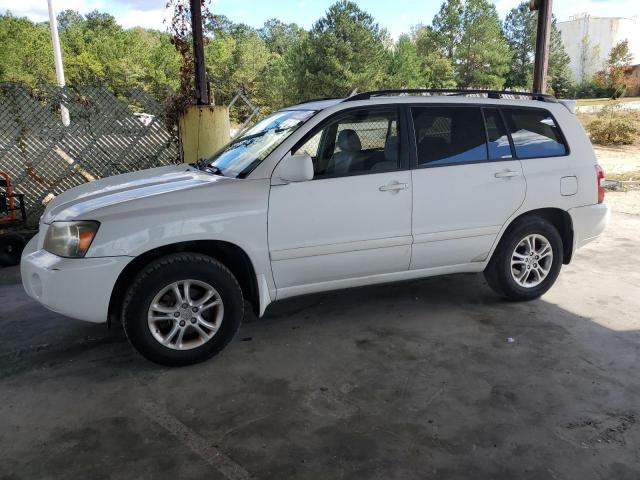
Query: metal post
(198, 54)
(541, 62)
(57, 56)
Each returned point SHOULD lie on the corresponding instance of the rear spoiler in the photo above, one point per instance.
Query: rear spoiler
(570, 104)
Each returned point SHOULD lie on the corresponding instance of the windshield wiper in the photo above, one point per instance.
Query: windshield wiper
(204, 166)
(214, 170)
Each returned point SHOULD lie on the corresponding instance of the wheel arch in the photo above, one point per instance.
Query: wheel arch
(558, 218)
(229, 254)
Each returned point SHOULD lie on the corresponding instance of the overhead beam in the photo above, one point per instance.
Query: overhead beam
(543, 35)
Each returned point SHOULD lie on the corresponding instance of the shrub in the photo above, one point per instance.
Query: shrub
(613, 126)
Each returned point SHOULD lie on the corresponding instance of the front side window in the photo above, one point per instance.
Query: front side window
(534, 133)
(362, 141)
(244, 153)
(449, 135)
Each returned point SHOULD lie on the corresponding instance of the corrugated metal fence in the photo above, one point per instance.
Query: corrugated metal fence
(107, 135)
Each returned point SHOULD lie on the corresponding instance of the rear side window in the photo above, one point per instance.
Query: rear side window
(499, 147)
(449, 135)
(534, 133)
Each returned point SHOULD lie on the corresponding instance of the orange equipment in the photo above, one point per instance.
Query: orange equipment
(8, 209)
(13, 229)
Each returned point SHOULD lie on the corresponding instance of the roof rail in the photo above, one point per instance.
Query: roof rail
(319, 99)
(543, 97)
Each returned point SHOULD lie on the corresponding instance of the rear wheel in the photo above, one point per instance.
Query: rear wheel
(182, 309)
(527, 261)
(11, 247)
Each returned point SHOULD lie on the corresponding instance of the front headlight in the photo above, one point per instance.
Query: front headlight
(70, 239)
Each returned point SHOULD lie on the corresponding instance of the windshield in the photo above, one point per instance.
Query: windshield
(244, 153)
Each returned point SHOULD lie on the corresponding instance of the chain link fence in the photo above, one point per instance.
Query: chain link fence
(107, 135)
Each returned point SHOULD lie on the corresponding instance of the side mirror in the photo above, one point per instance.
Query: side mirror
(293, 168)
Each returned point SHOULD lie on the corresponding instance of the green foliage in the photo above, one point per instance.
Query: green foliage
(436, 66)
(405, 69)
(560, 80)
(95, 50)
(520, 32)
(611, 81)
(614, 126)
(282, 64)
(26, 53)
(447, 26)
(482, 56)
(345, 50)
(279, 36)
(256, 62)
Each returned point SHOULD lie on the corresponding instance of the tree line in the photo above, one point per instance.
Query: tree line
(466, 45)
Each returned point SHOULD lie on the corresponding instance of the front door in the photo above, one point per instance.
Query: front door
(353, 220)
(466, 184)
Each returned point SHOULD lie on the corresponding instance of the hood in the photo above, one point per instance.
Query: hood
(80, 202)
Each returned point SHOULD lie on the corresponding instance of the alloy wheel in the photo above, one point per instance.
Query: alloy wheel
(531, 260)
(185, 314)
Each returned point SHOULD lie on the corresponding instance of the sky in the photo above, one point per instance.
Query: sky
(397, 16)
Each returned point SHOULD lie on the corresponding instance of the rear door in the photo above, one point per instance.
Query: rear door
(466, 184)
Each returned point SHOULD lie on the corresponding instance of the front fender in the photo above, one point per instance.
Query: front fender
(233, 212)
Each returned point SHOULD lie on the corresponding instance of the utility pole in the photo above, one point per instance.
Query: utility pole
(204, 127)
(202, 97)
(57, 57)
(541, 61)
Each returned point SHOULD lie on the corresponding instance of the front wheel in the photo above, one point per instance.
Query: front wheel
(182, 309)
(527, 260)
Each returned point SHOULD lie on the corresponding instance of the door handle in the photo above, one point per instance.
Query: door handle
(506, 174)
(393, 187)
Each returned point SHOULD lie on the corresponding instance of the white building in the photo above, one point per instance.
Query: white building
(589, 39)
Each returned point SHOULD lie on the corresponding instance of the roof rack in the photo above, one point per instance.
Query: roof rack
(496, 94)
(319, 99)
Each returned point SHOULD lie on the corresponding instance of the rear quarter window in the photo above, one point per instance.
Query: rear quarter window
(534, 132)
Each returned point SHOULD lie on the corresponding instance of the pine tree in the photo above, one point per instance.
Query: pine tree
(345, 50)
(482, 56)
(447, 24)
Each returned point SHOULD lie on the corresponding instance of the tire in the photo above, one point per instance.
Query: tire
(11, 247)
(502, 276)
(153, 313)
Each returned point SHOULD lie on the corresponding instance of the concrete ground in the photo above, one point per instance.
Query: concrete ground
(428, 379)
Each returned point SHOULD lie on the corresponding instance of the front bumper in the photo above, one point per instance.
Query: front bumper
(76, 287)
(588, 223)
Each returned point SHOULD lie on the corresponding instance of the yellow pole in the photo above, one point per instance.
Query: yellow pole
(204, 129)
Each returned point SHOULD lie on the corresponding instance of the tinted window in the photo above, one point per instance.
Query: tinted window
(497, 135)
(364, 141)
(449, 135)
(534, 133)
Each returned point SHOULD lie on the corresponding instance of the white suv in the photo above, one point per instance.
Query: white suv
(379, 187)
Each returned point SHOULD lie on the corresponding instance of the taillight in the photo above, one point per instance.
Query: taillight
(600, 178)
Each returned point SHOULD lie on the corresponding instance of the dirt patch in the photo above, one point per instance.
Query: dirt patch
(620, 162)
(603, 431)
